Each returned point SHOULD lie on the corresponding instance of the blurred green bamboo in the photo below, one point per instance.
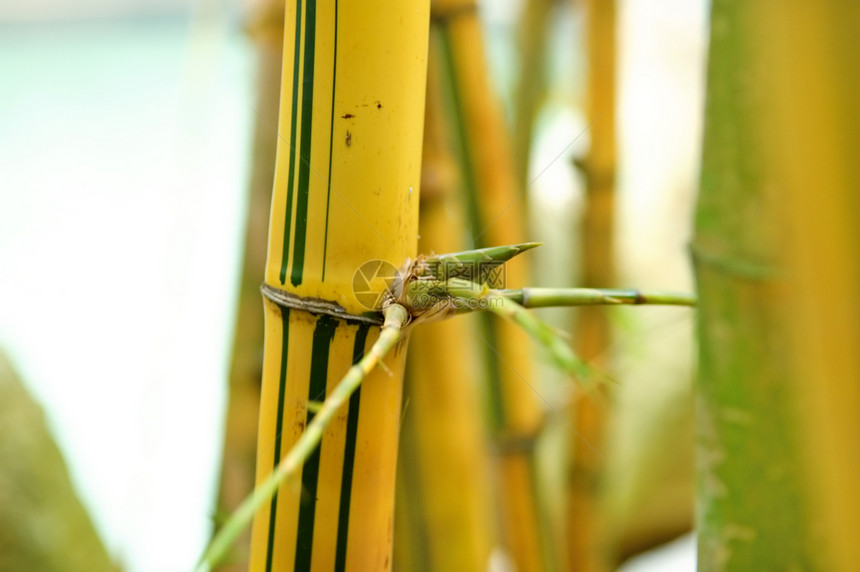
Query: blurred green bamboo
(776, 258)
(43, 525)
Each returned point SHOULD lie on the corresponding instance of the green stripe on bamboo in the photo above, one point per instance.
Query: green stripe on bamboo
(288, 215)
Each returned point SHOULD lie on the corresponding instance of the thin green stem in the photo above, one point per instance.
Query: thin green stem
(396, 316)
(546, 297)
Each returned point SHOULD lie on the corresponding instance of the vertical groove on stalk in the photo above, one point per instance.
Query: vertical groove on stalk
(305, 145)
(330, 142)
(288, 215)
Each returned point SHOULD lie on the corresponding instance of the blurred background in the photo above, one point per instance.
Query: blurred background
(126, 132)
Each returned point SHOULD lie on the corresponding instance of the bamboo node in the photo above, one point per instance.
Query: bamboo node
(317, 306)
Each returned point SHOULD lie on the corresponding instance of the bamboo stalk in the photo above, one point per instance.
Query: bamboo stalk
(306, 445)
(588, 548)
(751, 510)
(444, 516)
(43, 524)
(346, 192)
(776, 228)
(494, 212)
(814, 47)
(531, 87)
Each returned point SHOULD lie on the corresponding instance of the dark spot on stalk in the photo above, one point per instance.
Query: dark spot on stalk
(348, 138)
(347, 115)
(378, 105)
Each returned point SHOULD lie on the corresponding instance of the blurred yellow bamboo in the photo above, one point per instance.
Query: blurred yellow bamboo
(534, 33)
(587, 548)
(444, 455)
(346, 192)
(809, 60)
(496, 218)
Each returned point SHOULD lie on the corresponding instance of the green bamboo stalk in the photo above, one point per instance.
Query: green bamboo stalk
(396, 317)
(753, 513)
(43, 524)
(776, 228)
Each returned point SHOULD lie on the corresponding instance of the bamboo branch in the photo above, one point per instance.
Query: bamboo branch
(548, 297)
(396, 317)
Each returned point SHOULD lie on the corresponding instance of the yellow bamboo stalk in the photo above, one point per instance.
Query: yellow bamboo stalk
(812, 129)
(587, 547)
(346, 192)
(533, 35)
(516, 416)
(266, 28)
(447, 512)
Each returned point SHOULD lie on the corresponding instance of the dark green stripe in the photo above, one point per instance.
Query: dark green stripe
(349, 456)
(330, 141)
(285, 256)
(305, 149)
(279, 427)
(323, 334)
